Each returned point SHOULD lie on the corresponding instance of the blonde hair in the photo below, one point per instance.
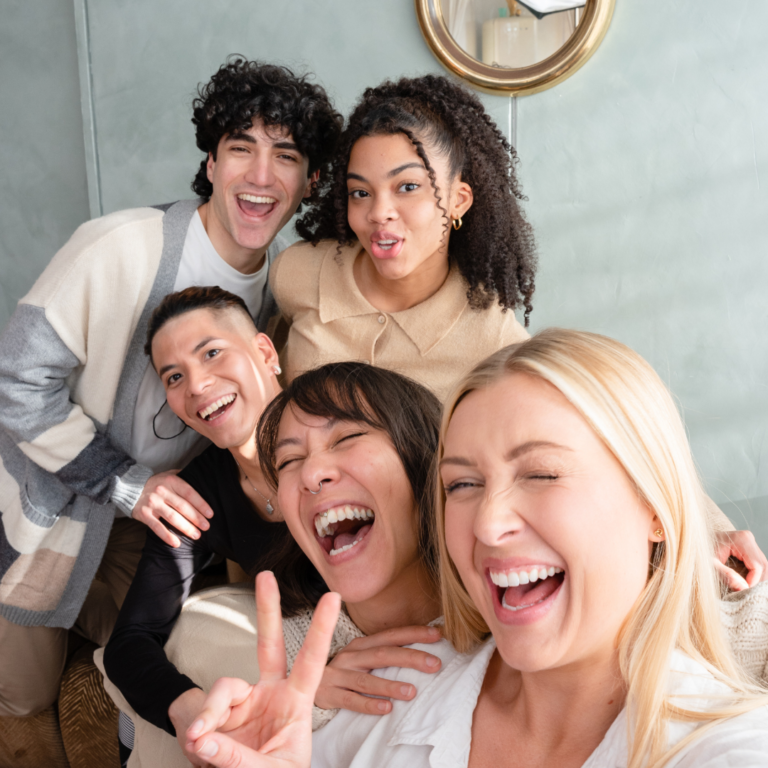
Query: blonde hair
(625, 402)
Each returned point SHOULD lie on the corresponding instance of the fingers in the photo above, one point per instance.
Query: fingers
(159, 529)
(192, 500)
(730, 578)
(311, 660)
(743, 546)
(397, 636)
(222, 751)
(342, 689)
(387, 656)
(269, 622)
(226, 693)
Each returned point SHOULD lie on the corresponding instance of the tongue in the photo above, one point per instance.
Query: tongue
(347, 538)
(257, 209)
(528, 594)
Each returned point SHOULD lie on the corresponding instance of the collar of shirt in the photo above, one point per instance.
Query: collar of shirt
(425, 324)
(441, 715)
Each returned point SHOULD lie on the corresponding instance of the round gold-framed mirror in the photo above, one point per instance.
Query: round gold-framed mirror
(504, 46)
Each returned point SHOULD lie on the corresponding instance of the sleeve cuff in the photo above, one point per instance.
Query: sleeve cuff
(128, 488)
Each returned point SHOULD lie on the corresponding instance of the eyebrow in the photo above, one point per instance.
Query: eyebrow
(330, 424)
(170, 367)
(243, 136)
(515, 453)
(394, 172)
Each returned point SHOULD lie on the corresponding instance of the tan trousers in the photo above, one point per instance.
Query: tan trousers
(32, 658)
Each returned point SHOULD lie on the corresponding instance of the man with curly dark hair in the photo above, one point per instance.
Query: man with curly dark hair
(84, 436)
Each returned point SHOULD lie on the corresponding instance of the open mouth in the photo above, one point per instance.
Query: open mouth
(526, 587)
(386, 246)
(256, 205)
(341, 528)
(217, 409)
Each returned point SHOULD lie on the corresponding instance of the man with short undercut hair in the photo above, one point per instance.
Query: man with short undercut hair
(83, 427)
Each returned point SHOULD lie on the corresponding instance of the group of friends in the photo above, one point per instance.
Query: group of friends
(509, 530)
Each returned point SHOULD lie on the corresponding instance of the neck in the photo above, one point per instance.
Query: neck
(242, 259)
(398, 294)
(569, 707)
(409, 600)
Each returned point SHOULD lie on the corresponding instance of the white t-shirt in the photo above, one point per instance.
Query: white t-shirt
(200, 265)
(435, 728)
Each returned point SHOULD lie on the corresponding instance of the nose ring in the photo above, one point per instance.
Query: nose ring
(320, 488)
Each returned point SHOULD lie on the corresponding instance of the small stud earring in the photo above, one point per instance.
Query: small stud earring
(659, 532)
(277, 370)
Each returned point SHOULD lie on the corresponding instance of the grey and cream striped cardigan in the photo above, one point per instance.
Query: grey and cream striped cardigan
(71, 361)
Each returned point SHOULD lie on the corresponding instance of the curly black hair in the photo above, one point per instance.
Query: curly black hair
(242, 90)
(494, 249)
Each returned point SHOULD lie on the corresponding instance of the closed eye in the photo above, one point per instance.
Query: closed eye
(349, 437)
(458, 485)
(285, 462)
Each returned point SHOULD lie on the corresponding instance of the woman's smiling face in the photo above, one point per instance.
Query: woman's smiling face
(360, 528)
(547, 531)
(392, 208)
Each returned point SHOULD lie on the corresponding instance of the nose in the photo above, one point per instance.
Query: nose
(198, 379)
(497, 517)
(319, 474)
(382, 209)
(261, 171)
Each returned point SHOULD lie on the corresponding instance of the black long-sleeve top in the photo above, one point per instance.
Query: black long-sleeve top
(134, 658)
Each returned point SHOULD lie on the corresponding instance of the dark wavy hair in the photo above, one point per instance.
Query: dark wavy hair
(494, 249)
(406, 411)
(188, 300)
(242, 90)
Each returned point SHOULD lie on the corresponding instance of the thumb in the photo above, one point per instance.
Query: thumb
(223, 752)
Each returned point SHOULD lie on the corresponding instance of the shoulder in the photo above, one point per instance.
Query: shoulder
(96, 246)
(208, 471)
(295, 272)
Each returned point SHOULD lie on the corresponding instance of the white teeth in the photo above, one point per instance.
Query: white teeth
(257, 198)
(324, 521)
(215, 406)
(345, 547)
(516, 578)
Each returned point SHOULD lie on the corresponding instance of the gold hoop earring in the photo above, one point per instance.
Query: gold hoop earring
(457, 223)
(659, 532)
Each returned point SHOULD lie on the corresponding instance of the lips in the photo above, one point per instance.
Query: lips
(386, 245)
(217, 408)
(256, 205)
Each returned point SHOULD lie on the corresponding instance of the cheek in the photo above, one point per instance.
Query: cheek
(460, 541)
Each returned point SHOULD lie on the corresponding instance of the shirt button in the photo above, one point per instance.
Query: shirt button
(382, 319)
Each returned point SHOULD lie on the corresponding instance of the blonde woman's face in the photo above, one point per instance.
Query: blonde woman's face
(545, 527)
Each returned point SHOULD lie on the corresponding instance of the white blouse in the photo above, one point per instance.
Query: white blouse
(435, 728)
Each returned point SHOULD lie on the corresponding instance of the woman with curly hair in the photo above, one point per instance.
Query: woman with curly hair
(417, 248)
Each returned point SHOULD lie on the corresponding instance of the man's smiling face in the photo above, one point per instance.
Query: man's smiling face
(259, 177)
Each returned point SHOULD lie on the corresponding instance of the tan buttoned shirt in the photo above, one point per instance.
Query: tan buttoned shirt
(435, 342)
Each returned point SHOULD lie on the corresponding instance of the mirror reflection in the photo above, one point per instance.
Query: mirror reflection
(508, 33)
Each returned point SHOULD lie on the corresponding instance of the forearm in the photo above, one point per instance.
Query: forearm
(37, 411)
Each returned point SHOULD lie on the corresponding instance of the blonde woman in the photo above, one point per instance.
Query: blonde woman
(578, 587)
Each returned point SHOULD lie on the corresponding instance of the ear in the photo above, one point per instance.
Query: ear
(461, 199)
(209, 167)
(656, 530)
(311, 181)
(267, 349)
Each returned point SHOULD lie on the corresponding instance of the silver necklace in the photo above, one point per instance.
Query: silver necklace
(270, 508)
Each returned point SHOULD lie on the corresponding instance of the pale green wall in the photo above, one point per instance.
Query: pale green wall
(43, 195)
(646, 172)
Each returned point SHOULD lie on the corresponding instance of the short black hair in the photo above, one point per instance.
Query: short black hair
(242, 90)
(351, 391)
(196, 297)
(494, 249)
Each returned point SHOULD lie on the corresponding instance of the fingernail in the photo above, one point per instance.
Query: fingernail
(383, 706)
(406, 690)
(209, 749)
(432, 661)
(195, 728)
(433, 631)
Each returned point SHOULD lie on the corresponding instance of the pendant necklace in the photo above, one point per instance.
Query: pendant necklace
(270, 508)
